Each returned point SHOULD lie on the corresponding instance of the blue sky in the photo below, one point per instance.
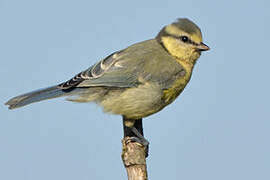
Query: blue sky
(218, 128)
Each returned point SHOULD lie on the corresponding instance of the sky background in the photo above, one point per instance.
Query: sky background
(218, 128)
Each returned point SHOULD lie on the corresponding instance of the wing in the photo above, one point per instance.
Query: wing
(142, 62)
(109, 72)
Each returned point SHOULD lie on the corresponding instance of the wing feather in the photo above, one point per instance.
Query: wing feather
(106, 72)
(145, 61)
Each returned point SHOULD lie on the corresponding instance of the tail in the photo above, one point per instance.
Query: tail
(35, 96)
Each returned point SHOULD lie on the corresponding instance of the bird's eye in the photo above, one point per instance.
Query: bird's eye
(184, 38)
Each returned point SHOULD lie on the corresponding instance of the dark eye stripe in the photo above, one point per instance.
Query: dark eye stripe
(185, 39)
(189, 41)
(192, 42)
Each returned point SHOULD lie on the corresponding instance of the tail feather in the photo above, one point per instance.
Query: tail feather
(35, 96)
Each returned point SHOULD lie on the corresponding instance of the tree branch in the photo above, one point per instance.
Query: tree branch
(133, 153)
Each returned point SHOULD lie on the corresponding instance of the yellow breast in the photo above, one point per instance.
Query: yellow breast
(178, 86)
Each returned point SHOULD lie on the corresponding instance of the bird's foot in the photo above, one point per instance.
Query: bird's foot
(134, 131)
(143, 142)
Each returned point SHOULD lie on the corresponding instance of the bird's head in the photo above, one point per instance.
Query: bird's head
(183, 40)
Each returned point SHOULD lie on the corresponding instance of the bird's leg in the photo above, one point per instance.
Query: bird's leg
(133, 128)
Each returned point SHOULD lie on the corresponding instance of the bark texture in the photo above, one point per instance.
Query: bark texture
(133, 153)
(133, 156)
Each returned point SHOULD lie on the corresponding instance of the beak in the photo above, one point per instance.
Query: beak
(203, 47)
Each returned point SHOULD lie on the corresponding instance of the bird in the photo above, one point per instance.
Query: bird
(137, 81)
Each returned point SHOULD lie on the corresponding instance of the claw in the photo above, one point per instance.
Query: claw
(135, 133)
(143, 142)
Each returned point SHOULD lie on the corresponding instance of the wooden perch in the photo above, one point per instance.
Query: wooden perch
(133, 154)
